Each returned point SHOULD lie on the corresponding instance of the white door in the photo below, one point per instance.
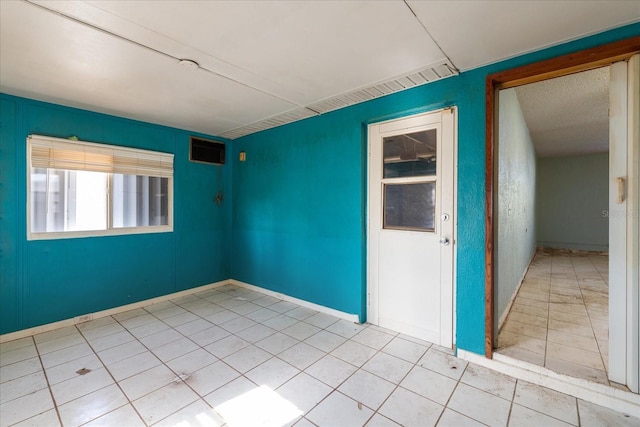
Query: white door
(624, 159)
(411, 225)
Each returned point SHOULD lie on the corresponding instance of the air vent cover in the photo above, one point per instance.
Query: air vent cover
(435, 71)
(206, 151)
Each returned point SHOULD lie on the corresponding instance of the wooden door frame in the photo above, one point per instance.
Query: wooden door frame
(555, 67)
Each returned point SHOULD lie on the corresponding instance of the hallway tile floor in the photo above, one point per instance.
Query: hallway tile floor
(559, 318)
(235, 357)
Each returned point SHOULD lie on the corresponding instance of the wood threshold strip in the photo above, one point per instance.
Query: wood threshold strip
(579, 61)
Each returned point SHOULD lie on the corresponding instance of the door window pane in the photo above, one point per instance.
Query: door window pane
(410, 206)
(413, 154)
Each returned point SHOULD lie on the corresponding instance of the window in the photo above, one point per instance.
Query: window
(80, 189)
(409, 181)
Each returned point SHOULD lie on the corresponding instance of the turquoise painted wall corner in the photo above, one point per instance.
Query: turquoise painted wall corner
(299, 211)
(50, 280)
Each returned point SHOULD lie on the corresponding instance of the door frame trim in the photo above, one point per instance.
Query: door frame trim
(368, 289)
(555, 67)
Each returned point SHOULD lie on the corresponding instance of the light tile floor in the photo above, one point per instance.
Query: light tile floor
(236, 357)
(559, 318)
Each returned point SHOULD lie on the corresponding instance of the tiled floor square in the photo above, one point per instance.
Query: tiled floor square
(546, 401)
(480, 405)
(592, 415)
(443, 363)
(373, 338)
(338, 409)
(147, 381)
(277, 343)
(165, 401)
(325, 341)
(367, 389)
(388, 367)
(62, 356)
(450, 418)
(22, 386)
(230, 391)
(48, 418)
(81, 385)
(133, 365)
(301, 355)
(198, 413)
(70, 369)
(226, 346)
(247, 358)
(429, 384)
(410, 409)
(301, 330)
(525, 417)
(405, 349)
(272, 373)
(25, 407)
(91, 406)
(490, 381)
(18, 369)
(211, 377)
(175, 349)
(19, 354)
(345, 329)
(304, 391)
(355, 353)
(191, 362)
(331, 370)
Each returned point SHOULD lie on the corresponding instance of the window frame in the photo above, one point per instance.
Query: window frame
(109, 231)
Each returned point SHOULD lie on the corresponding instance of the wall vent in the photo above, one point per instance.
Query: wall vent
(433, 72)
(206, 151)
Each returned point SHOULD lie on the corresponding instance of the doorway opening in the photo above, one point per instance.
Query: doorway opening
(553, 172)
(537, 272)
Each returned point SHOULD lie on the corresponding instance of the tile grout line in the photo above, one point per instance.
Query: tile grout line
(129, 401)
(591, 325)
(46, 377)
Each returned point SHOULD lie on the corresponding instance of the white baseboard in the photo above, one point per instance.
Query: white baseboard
(121, 309)
(104, 313)
(320, 308)
(600, 394)
(507, 309)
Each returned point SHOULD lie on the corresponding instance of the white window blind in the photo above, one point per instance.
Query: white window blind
(57, 153)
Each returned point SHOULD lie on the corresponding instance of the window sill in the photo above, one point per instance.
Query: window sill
(99, 233)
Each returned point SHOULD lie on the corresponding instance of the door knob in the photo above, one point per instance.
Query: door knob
(444, 241)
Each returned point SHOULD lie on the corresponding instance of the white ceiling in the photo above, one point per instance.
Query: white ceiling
(568, 115)
(265, 63)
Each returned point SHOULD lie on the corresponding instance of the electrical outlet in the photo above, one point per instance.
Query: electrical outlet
(83, 318)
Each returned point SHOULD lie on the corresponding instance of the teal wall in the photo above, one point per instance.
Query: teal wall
(515, 241)
(49, 280)
(299, 222)
(573, 195)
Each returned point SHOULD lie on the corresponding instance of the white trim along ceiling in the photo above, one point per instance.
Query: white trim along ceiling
(253, 65)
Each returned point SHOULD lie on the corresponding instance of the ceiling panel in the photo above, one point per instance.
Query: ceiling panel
(304, 51)
(66, 62)
(475, 33)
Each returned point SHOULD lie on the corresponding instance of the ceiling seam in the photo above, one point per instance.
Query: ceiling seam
(118, 36)
(455, 68)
